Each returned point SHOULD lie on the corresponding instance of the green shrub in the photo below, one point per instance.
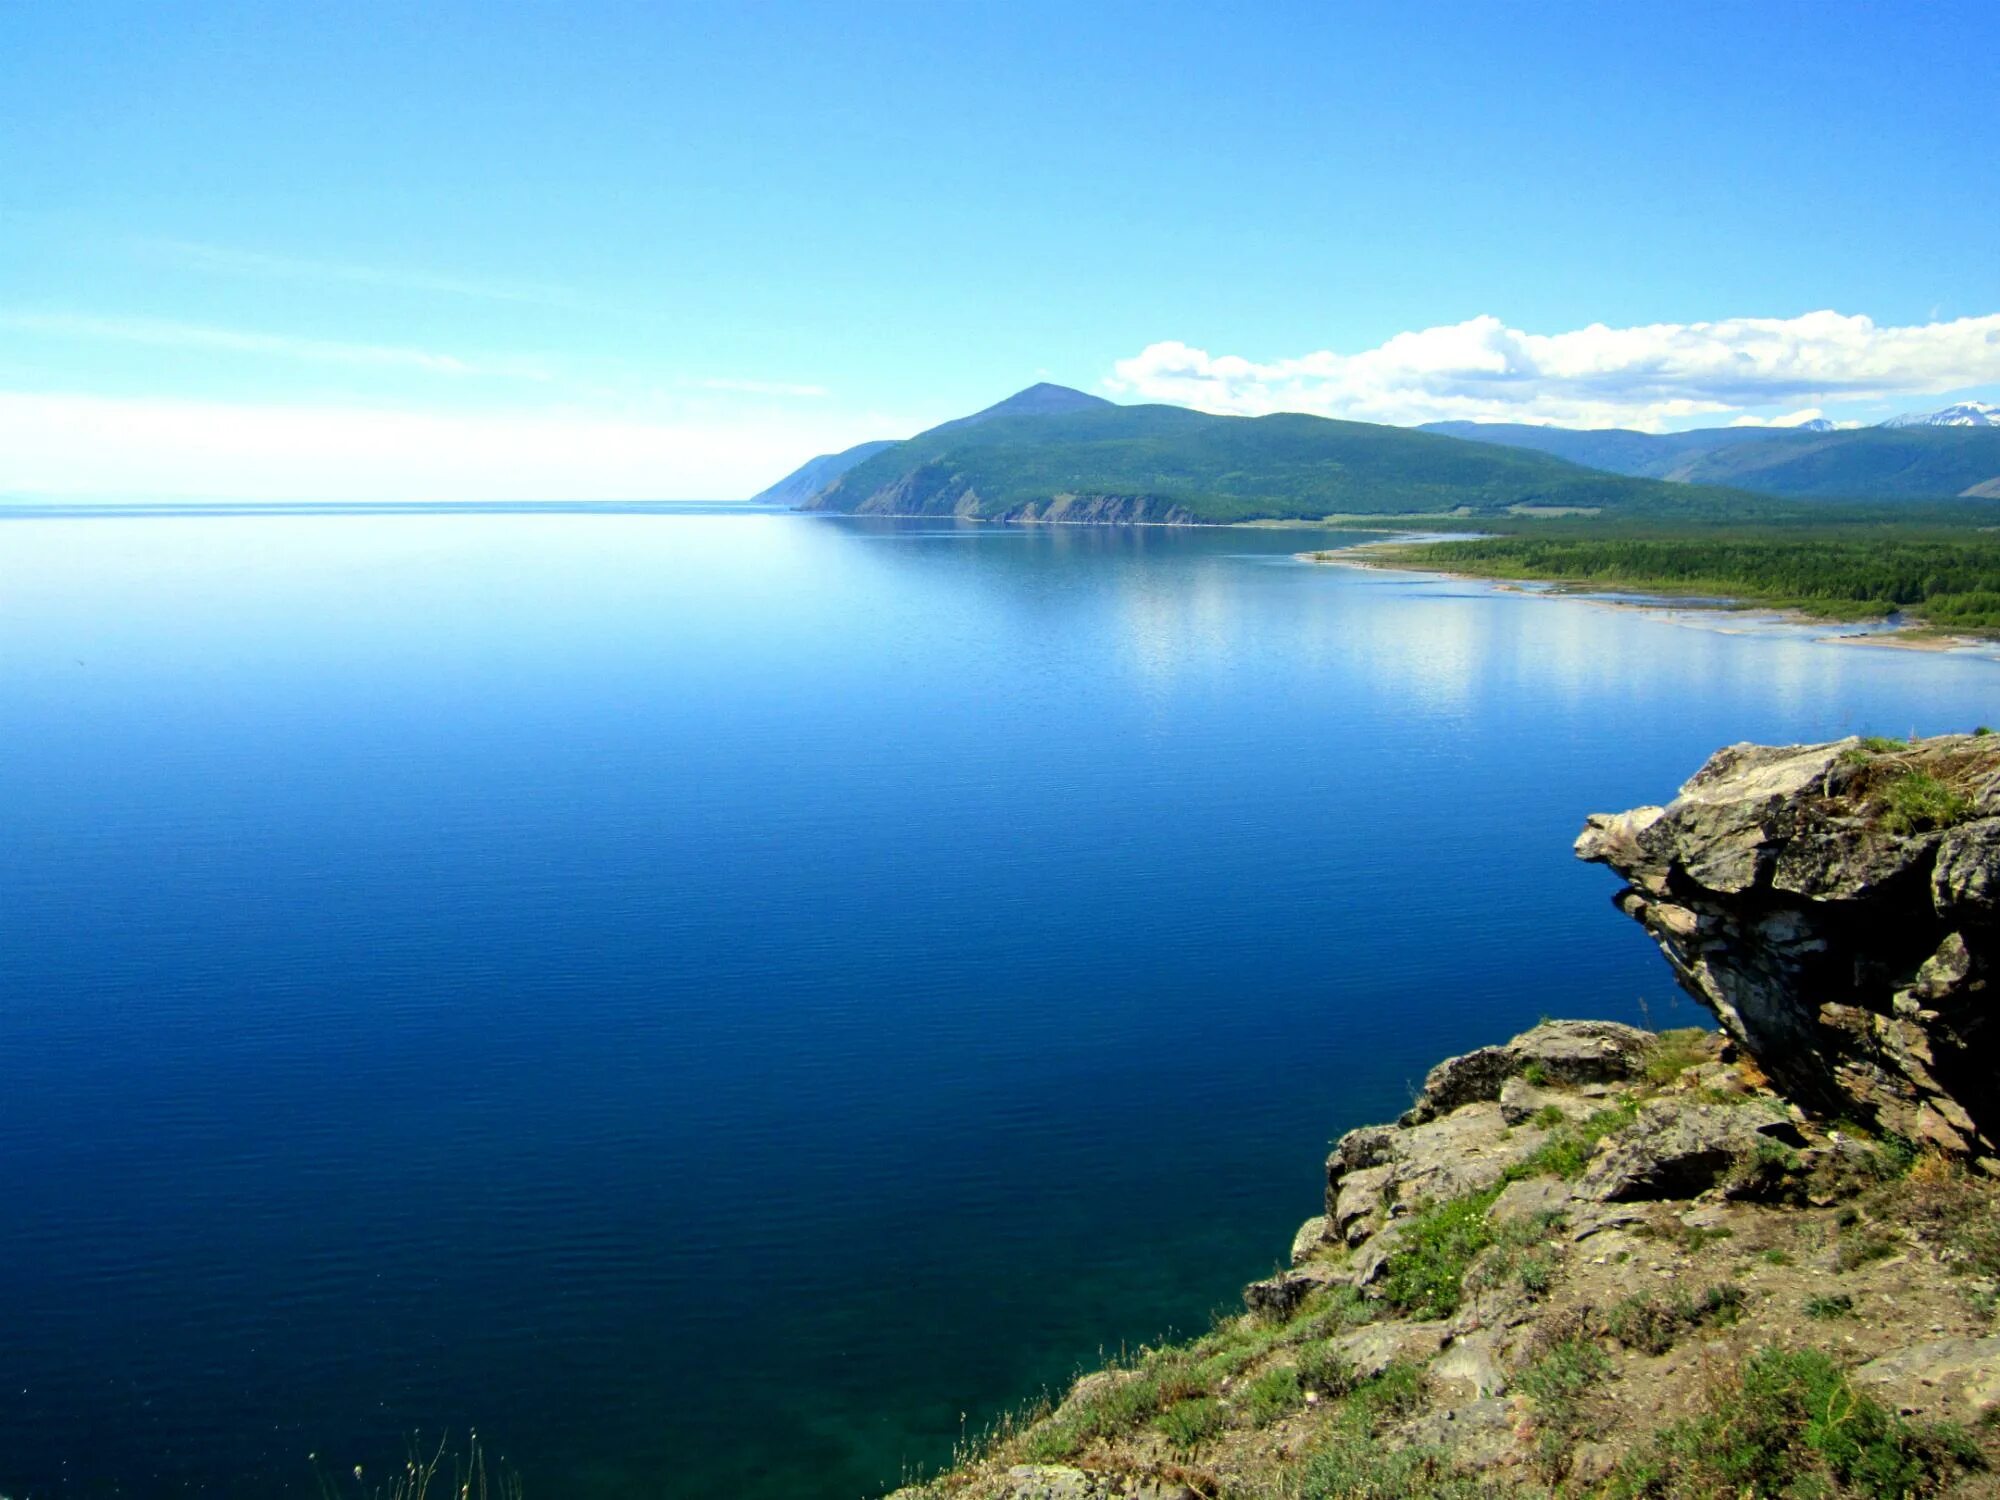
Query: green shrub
(1271, 1395)
(1568, 1149)
(1425, 1274)
(1396, 1392)
(1555, 1383)
(1324, 1369)
(1654, 1324)
(1189, 1424)
(1537, 1273)
(1917, 800)
(1861, 1247)
(1838, 1305)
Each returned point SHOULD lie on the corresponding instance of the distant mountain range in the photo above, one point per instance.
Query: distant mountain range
(1963, 414)
(1928, 457)
(1051, 453)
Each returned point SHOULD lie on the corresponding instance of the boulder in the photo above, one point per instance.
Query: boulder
(1954, 1379)
(1473, 1364)
(1279, 1296)
(1565, 1053)
(1371, 1350)
(1314, 1238)
(1678, 1150)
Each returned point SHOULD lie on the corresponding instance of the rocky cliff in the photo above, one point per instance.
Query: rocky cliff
(1598, 1261)
(1835, 907)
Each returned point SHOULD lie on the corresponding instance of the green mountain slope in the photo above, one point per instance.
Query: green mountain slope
(809, 478)
(1885, 463)
(1164, 463)
(815, 474)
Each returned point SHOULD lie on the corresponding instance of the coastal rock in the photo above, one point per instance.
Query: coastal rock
(1462, 1152)
(1679, 1150)
(1834, 905)
(1313, 1238)
(1279, 1296)
(1565, 1053)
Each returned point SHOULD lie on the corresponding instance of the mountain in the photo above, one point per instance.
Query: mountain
(1096, 461)
(1878, 463)
(815, 474)
(1962, 414)
(1042, 400)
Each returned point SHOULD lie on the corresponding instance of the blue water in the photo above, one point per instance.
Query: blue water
(712, 998)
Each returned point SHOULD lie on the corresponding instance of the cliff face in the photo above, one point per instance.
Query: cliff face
(939, 489)
(1838, 908)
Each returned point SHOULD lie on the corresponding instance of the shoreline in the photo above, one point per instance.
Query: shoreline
(1891, 637)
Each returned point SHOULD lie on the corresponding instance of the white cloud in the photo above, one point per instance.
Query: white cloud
(223, 260)
(1789, 419)
(1642, 377)
(166, 333)
(141, 448)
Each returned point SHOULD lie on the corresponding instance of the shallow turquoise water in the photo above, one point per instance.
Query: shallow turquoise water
(712, 998)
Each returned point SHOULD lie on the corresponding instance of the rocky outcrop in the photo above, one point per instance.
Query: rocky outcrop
(1571, 1243)
(1837, 907)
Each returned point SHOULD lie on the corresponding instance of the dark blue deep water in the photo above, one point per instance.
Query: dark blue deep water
(712, 998)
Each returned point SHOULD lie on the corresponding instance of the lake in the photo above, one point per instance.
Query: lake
(722, 1000)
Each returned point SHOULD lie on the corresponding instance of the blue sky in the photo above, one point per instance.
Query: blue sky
(512, 250)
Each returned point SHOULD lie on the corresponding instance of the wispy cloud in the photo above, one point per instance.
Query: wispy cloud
(166, 333)
(225, 260)
(758, 387)
(1591, 377)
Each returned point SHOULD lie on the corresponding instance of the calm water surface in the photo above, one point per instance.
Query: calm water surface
(712, 998)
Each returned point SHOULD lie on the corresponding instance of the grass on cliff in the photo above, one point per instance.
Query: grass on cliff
(1907, 798)
(1788, 1422)
(1917, 800)
(1556, 1384)
(1171, 1388)
(1569, 1147)
(1425, 1274)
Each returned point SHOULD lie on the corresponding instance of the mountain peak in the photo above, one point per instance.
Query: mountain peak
(1039, 400)
(1960, 414)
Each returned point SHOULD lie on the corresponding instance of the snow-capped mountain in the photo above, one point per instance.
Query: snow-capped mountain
(1816, 424)
(1963, 414)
